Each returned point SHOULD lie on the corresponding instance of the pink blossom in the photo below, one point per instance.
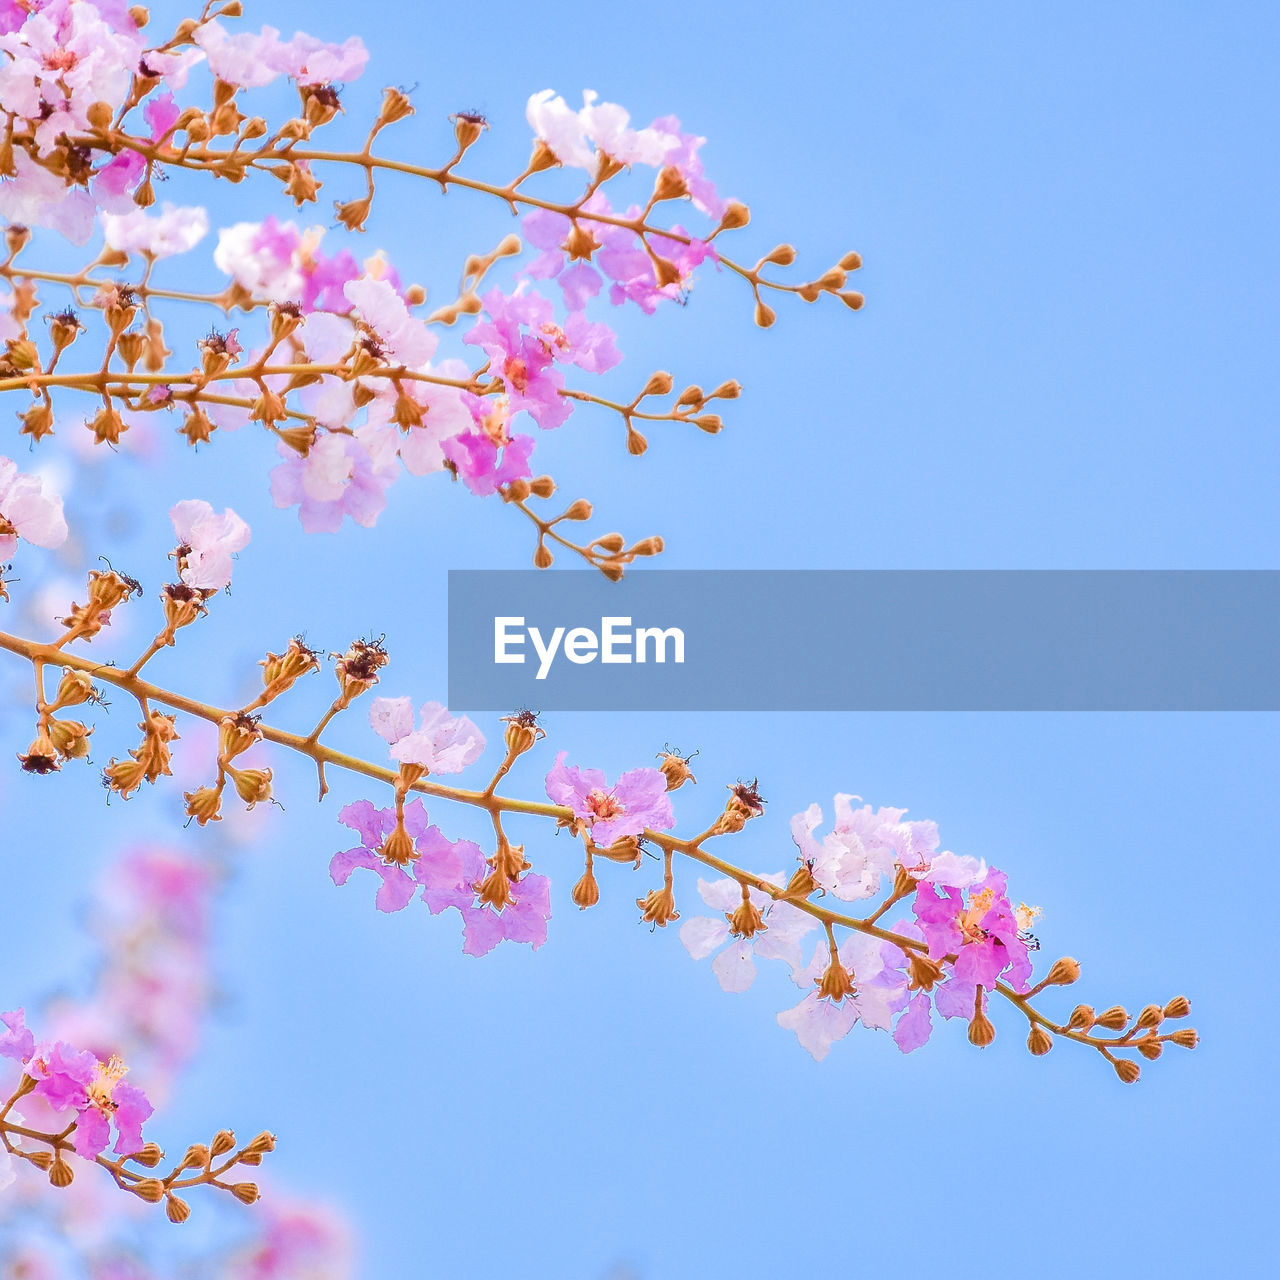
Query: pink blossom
(341, 475)
(251, 60)
(982, 931)
(405, 338)
(35, 197)
(851, 861)
(484, 465)
(443, 743)
(374, 825)
(778, 940)
(577, 137)
(880, 990)
(175, 229)
(27, 512)
(16, 1041)
(521, 360)
(636, 801)
(210, 539)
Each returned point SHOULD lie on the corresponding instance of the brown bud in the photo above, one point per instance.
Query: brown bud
(542, 486)
(636, 442)
(1152, 1015)
(1127, 1070)
(1150, 1048)
(177, 1209)
(100, 115)
(1178, 1007)
(196, 1156)
(981, 1030)
(265, 1141)
(516, 491)
(61, 1174)
(398, 847)
(149, 1156)
(851, 261)
(580, 510)
(542, 558)
(299, 438)
(145, 195)
(784, 255)
(586, 893)
(151, 1190)
(41, 756)
(1114, 1018)
(245, 1192)
(16, 238)
(41, 1159)
(765, 314)
(736, 214)
(580, 243)
(222, 1142)
(522, 732)
(1064, 973)
(1082, 1018)
(711, 423)
(670, 184)
(22, 354)
(1185, 1037)
(831, 280)
(852, 299)
(269, 407)
(74, 688)
(659, 384)
(131, 346)
(302, 184)
(1039, 1041)
(467, 128)
(730, 390)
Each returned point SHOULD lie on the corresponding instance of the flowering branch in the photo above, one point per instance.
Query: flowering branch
(965, 942)
(345, 379)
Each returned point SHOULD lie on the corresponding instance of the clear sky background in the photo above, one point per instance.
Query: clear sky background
(1067, 359)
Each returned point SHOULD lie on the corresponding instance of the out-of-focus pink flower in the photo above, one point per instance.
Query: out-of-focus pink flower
(442, 743)
(176, 229)
(577, 137)
(16, 1041)
(637, 800)
(250, 59)
(27, 512)
(211, 539)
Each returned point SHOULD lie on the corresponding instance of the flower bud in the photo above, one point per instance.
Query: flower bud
(177, 1209)
(107, 426)
(196, 1156)
(1178, 1007)
(1127, 1070)
(1185, 1037)
(1152, 1015)
(851, 261)
(222, 1142)
(245, 1192)
(353, 213)
(580, 510)
(659, 384)
(586, 893)
(648, 547)
(149, 1189)
(542, 486)
(1064, 973)
(265, 1141)
(1150, 1048)
(542, 558)
(149, 1156)
(736, 214)
(981, 1030)
(1039, 1041)
(1114, 1018)
(395, 106)
(61, 1174)
(467, 127)
(637, 443)
(1082, 1018)
(41, 756)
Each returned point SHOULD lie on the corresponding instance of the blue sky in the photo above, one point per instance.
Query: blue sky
(1066, 360)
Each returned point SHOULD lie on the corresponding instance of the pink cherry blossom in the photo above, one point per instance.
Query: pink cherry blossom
(210, 539)
(27, 512)
(636, 801)
(734, 965)
(442, 743)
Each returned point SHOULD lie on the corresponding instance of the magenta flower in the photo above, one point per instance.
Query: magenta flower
(521, 360)
(27, 512)
(210, 540)
(443, 743)
(982, 932)
(484, 465)
(71, 1079)
(636, 801)
(374, 825)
